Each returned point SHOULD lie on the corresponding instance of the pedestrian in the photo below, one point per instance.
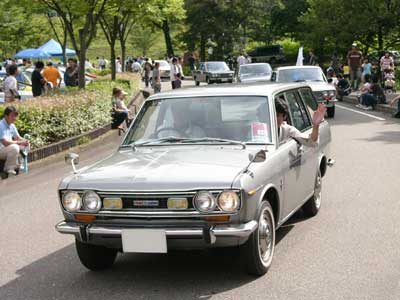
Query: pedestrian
(10, 84)
(156, 78)
(173, 71)
(241, 60)
(120, 111)
(178, 81)
(71, 73)
(192, 62)
(386, 62)
(102, 63)
(52, 75)
(136, 68)
(147, 71)
(38, 80)
(180, 67)
(371, 93)
(354, 60)
(10, 141)
(118, 65)
(366, 69)
(312, 59)
(343, 87)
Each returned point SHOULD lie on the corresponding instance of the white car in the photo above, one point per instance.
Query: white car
(24, 86)
(165, 68)
(315, 78)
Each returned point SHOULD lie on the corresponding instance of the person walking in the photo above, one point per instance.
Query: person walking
(10, 84)
(156, 78)
(147, 71)
(37, 79)
(71, 73)
(192, 62)
(52, 75)
(180, 68)
(120, 111)
(354, 60)
(10, 141)
(173, 71)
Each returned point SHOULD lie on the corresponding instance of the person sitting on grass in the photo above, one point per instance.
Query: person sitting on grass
(120, 111)
(10, 141)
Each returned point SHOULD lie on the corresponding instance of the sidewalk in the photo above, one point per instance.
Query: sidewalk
(385, 108)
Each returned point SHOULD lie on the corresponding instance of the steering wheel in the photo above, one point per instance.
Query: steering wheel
(180, 133)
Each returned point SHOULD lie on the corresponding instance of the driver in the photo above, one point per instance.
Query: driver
(183, 125)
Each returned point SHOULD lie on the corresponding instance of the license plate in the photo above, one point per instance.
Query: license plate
(152, 203)
(224, 79)
(144, 241)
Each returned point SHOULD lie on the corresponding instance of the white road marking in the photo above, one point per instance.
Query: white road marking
(361, 113)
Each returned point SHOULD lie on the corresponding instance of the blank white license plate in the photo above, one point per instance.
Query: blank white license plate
(224, 79)
(144, 241)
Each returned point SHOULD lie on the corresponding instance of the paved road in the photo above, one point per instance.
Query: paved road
(351, 250)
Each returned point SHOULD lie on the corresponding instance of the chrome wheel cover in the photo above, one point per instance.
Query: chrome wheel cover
(266, 237)
(318, 191)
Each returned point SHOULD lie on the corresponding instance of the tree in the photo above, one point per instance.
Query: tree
(80, 18)
(57, 23)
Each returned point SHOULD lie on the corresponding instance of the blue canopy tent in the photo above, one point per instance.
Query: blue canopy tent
(54, 49)
(32, 53)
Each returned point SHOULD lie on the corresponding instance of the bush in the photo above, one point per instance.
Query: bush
(69, 112)
(99, 72)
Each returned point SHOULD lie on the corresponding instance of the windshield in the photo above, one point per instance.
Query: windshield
(217, 66)
(163, 63)
(224, 119)
(250, 70)
(301, 74)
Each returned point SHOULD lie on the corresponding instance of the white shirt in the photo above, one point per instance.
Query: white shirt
(180, 69)
(287, 131)
(174, 69)
(241, 60)
(10, 83)
(136, 67)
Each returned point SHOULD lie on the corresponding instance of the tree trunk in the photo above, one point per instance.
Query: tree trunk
(123, 55)
(82, 59)
(380, 38)
(168, 40)
(64, 48)
(202, 47)
(113, 65)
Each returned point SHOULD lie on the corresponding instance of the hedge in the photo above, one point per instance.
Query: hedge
(70, 112)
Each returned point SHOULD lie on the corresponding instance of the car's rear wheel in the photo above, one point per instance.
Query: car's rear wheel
(95, 257)
(313, 205)
(258, 251)
(330, 111)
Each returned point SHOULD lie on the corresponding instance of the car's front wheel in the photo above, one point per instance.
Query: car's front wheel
(258, 251)
(313, 205)
(330, 111)
(94, 257)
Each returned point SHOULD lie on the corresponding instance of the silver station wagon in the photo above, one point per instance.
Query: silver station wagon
(199, 168)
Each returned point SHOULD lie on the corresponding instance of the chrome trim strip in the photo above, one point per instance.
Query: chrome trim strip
(240, 230)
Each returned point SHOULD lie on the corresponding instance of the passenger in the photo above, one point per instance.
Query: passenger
(286, 131)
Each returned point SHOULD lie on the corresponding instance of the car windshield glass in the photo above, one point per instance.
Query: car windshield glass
(217, 66)
(250, 70)
(216, 120)
(163, 64)
(301, 74)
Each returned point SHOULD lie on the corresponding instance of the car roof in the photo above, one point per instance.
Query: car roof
(237, 89)
(297, 67)
(254, 64)
(214, 61)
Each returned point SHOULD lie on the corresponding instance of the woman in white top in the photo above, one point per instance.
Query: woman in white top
(10, 85)
(120, 111)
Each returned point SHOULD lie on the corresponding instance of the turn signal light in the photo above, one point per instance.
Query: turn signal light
(218, 218)
(85, 218)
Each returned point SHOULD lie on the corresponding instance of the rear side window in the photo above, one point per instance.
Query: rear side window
(309, 100)
(297, 111)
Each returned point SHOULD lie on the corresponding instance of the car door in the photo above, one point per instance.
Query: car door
(299, 178)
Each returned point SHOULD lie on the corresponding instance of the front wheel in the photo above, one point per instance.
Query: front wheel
(313, 205)
(258, 251)
(94, 257)
(330, 111)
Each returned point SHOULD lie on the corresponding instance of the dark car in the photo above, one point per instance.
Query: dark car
(270, 54)
(213, 72)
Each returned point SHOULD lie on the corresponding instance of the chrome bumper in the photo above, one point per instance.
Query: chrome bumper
(209, 234)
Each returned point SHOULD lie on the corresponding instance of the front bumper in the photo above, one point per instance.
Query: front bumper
(87, 232)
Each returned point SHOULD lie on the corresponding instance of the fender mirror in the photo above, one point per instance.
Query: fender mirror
(73, 159)
(260, 156)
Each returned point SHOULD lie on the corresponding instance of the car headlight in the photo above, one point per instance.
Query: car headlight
(204, 201)
(332, 93)
(71, 201)
(228, 201)
(91, 202)
(214, 75)
(325, 93)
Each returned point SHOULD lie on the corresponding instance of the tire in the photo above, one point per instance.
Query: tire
(251, 250)
(230, 81)
(313, 205)
(95, 258)
(330, 111)
(197, 82)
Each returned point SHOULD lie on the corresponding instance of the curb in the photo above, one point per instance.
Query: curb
(66, 144)
(385, 108)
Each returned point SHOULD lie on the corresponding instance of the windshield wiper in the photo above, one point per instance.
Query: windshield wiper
(300, 80)
(169, 139)
(209, 139)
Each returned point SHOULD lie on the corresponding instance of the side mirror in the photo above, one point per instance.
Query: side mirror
(260, 156)
(73, 159)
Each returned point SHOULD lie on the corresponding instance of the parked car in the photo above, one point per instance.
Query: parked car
(272, 54)
(212, 72)
(198, 168)
(254, 72)
(315, 78)
(24, 86)
(165, 69)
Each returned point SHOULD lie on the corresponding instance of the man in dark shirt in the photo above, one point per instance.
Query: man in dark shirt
(354, 60)
(343, 87)
(71, 73)
(37, 79)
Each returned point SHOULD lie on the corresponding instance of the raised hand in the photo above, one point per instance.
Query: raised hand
(319, 114)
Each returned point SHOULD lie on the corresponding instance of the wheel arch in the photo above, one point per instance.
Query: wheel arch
(271, 195)
(323, 165)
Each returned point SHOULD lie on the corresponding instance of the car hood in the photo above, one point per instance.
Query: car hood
(320, 86)
(255, 78)
(221, 72)
(164, 169)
